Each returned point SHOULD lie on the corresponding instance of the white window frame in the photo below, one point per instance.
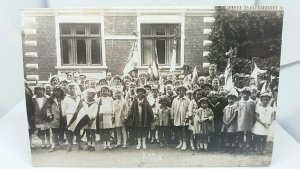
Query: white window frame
(161, 19)
(78, 19)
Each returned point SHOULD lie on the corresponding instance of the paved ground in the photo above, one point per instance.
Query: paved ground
(154, 156)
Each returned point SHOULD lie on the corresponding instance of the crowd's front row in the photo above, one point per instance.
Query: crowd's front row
(202, 121)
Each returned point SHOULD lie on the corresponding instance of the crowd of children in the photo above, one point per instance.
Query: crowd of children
(200, 116)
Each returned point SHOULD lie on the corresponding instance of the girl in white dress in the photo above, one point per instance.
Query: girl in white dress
(264, 117)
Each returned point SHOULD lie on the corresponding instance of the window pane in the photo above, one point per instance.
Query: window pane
(80, 29)
(147, 51)
(161, 51)
(160, 30)
(94, 29)
(81, 52)
(65, 28)
(66, 51)
(146, 29)
(95, 51)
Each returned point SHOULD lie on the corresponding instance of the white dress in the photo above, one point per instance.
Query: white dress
(266, 116)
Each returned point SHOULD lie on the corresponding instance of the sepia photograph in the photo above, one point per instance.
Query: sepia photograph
(152, 86)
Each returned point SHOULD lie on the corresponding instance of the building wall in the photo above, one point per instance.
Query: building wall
(119, 35)
(43, 63)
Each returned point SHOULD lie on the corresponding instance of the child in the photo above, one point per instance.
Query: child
(264, 118)
(70, 108)
(153, 101)
(192, 107)
(106, 114)
(217, 108)
(141, 116)
(90, 107)
(180, 116)
(203, 123)
(121, 113)
(57, 125)
(229, 121)
(245, 120)
(164, 121)
(42, 112)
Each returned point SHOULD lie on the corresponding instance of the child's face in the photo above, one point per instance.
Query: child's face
(201, 81)
(253, 93)
(56, 92)
(206, 90)
(246, 95)
(108, 76)
(90, 95)
(215, 84)
(204, 104)
(117, 81)
(54, 81)
(169, 90)
(265, 101)
(164, 103)
(140, 94)
(181, 92)
(92, 85)
(148, 90)
(198, 94)
(154, 92)
(48, 89)
(72, 90)
(230, 100)
(213, 98)
(104, 92)
(189, 95)
(40, 92)
(118, 95)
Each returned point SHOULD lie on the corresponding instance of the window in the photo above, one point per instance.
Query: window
(160, 39)
(80, 44)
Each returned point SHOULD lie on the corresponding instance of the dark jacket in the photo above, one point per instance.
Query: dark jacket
(147, 114)
(40, 115)
(29, 108)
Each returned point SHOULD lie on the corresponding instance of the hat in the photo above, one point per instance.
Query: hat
(242, 75)
(72, 84)
(168, 82)
(154, 87)
(57, 87)
(39, 86)
(198, 89)
(213, 93)
(141, 88)
(182, 87)
(206, 85)
(117, 77)
(266, 94)
(164, 98)
(203, 99)
(246, 89)
(147, 86)
(169, 86)
(143, 73)
(181, 77)
(189, 91)
(104, 86)
(233, 92)
(91, 90)
(127, 77)
(132, 84)
(54, 76)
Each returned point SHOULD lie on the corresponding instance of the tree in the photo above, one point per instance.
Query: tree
(246, 30)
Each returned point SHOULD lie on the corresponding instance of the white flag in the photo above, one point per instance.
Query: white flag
(173, 60)
(256, 71)
(228, 77)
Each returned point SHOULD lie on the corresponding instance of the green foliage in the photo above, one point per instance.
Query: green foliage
(244, 30)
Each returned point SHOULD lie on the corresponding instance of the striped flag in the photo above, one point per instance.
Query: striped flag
(256, 71)
(194, 76)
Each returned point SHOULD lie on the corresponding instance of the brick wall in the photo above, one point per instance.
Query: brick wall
(193, 45)
(117, 52)
(45, 48)
(119, 25)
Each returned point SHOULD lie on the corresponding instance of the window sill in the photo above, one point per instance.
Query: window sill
(80, 67)
(160, 67)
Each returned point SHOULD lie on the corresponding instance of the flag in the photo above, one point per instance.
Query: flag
(228, 77)
(256, 71)
(154, 66)
(266, 85)
(173, 60)
(132, 60)
(194, 76)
